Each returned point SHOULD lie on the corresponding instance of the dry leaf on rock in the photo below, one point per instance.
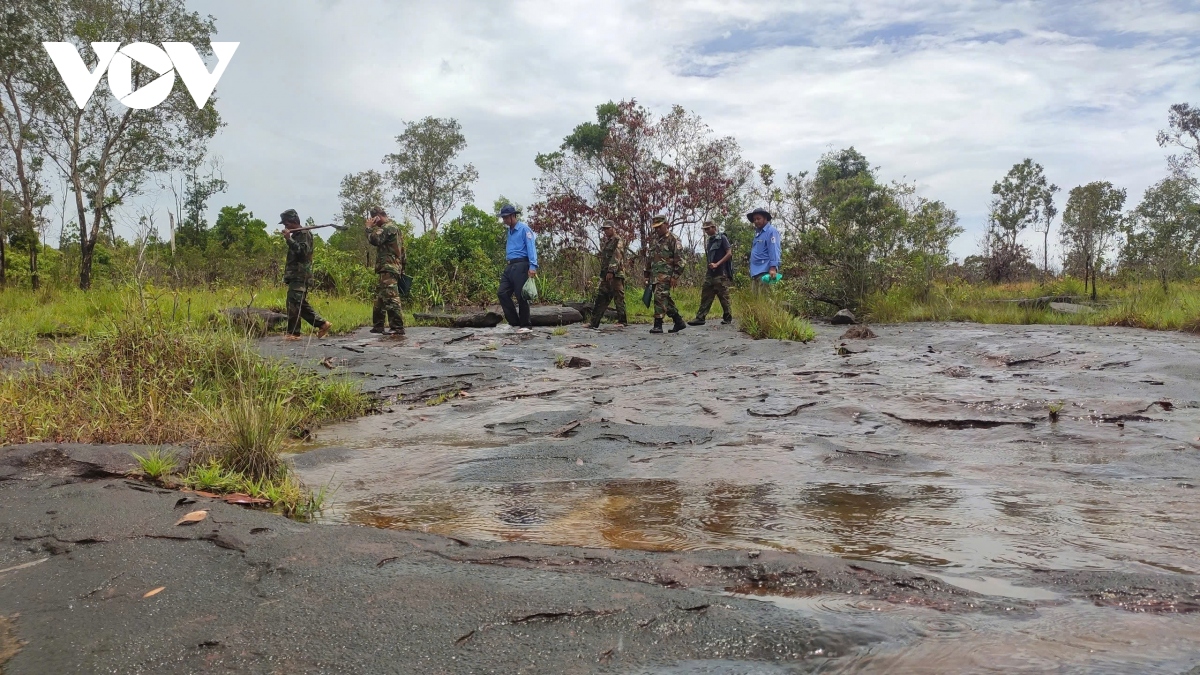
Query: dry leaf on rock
(192, 518)
(158, 590)
(239, 498)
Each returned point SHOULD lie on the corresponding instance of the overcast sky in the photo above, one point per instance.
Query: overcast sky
(948, 94)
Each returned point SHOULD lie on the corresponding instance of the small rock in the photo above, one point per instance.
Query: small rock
(578, 362)
(858, 333)
(843, 317)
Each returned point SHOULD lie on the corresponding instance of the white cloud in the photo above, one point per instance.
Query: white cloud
(948, 94)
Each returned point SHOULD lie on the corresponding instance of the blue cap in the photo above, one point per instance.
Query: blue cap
(508, 210)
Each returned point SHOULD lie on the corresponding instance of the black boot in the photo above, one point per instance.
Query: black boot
(657, 326)
(727, 320)
(696, 322)
(679, 324)
(377, 329)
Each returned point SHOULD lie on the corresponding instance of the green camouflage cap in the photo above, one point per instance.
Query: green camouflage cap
(289, 216)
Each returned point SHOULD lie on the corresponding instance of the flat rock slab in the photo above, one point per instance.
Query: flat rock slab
(99, 578)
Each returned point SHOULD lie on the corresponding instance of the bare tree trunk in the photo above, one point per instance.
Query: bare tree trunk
(33, 267)
(3, 260)
(1046, 255)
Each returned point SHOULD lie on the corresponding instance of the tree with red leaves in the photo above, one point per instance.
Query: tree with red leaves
(631, 164)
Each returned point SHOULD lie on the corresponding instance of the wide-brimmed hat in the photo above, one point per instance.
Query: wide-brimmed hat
(508, 210)
(707, 224)
(289, 216)
(758, 212)
(658, 218)
(607, 225)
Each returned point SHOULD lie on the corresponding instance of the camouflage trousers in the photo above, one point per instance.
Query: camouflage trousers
(610, 291)
(715, 286)
(387, 302)
(298, 308)
(663, 304)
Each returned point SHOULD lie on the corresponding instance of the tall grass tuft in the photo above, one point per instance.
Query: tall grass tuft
(255, 429)
(764, 316)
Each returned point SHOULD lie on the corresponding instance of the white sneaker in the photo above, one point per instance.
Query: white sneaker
(524, 330)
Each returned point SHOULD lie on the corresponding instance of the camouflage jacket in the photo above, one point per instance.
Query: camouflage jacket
(662, 255)
(299, 258)
(612, 257)
(389, 248)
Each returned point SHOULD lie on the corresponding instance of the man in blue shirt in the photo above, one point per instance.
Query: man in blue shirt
(521, 253)
(766, 251)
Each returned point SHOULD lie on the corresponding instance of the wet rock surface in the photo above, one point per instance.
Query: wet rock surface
(696, 502)
(932, 448)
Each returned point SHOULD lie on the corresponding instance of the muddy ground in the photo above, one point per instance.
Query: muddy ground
(683, 503)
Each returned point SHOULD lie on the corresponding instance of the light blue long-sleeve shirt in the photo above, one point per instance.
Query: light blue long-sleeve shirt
(766, 252)
(521, 244)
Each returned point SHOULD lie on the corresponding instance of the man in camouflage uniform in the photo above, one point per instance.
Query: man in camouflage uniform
(297, 273)
(718, 276)
(663, 267)
(612, 276)
(385, 236)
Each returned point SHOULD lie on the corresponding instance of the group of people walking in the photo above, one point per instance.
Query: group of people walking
(664, 266)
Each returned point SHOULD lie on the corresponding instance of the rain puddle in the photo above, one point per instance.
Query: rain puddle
(929, 447)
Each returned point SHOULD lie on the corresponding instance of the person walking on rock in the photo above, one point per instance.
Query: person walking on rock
(663, 267)
(388, 241)
(297, 274)
(612, 275)
(718, 277)
(766, 251)
(521, 253)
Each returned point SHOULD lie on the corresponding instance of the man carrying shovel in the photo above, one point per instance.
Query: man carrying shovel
(297, 274)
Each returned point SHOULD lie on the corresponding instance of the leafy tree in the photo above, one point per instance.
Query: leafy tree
(238, 230)
(197, 183)
(1183, 132)
(630, 164)
(864, 236)
(1162, 235)
(358, 193)
(22, 161)
(1090, 221)
(1020, 202)
(106, 150)
(428, 184)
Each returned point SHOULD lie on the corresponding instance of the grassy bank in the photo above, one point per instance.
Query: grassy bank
(143, 377)
(1133, 305)
(27, 317)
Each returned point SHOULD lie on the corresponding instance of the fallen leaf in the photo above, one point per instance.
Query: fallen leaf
(192, 518)
(463, 394)
(206, 494)
(327, 362)
(238, 498)
(158, 590)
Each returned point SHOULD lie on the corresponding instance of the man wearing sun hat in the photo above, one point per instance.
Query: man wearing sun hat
(766, 251)
(663, 267)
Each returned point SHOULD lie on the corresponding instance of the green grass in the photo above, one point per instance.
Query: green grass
(28, 318)
(157, 464)
(762, 315)
(559, 332)
(142, 380)
(285, 493)
(1136, 305)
